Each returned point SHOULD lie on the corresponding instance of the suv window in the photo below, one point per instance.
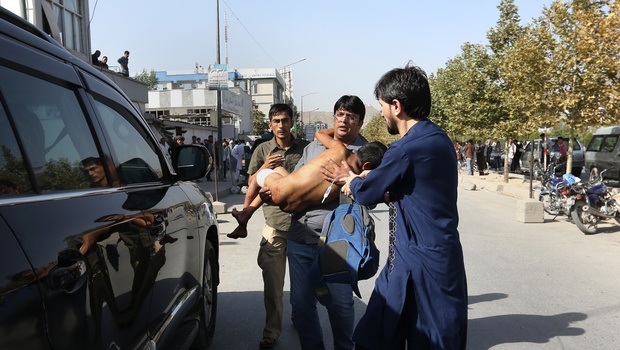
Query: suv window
(609, 143)
(595, 143)
(13, 174)
(52, 129)
(138, 161)
(556, 145)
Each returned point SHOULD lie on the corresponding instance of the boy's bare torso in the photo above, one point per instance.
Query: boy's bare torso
(306, 186)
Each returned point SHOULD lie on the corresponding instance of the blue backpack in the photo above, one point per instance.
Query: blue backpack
(348, 252)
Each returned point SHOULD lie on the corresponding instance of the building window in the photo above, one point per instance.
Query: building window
(70, 22)
(160, 114)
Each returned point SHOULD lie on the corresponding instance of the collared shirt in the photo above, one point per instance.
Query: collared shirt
(274, 217)
(306, 226)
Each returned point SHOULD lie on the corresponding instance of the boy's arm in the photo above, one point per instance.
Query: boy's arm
(326, 137)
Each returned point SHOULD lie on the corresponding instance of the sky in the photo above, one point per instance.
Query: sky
(347, 44)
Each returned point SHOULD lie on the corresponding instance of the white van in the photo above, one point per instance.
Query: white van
(603, 153)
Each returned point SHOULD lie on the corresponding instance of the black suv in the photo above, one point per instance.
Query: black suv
(104, 243)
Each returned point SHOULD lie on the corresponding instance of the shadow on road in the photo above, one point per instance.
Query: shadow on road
(487, 332)
(474, 299)
(241, 317)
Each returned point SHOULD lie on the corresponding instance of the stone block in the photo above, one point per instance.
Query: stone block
(219, 207)
(530, 211)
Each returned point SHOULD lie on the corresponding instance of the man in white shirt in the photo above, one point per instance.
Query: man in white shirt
(238, 152)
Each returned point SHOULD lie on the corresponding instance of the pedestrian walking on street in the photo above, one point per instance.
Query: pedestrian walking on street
(282, 150)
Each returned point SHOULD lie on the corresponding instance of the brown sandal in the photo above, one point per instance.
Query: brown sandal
(267, 343)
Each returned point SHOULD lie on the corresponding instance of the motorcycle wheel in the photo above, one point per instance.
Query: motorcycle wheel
(585, 221)
(547, 201)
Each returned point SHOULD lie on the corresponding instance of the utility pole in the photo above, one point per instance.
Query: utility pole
(219, 103)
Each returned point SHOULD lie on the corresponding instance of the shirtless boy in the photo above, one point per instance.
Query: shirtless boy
(294, 192)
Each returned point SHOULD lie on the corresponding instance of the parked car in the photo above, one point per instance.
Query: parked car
(105, 244)
(578, 155)
(603, 152)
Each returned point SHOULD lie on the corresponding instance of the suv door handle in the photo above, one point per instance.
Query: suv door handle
(68, 271)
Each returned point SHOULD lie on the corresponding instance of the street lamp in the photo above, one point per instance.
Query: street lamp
(288, 81)
(302, 104)
(310, 114)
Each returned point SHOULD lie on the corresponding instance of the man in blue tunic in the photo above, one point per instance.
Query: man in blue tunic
(420, 297)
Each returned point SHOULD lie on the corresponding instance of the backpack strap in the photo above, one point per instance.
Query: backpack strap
(315, 276)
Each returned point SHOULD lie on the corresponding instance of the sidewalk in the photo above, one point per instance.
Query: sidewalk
(518, 185)
(223, 188)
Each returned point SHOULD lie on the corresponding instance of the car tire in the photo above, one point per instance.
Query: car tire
(208, 307)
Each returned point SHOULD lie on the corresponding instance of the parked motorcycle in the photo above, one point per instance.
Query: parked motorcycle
(556, 192)
(594, 203)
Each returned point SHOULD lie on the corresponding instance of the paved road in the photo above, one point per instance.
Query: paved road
(531, 286)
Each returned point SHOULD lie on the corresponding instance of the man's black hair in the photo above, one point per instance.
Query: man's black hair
(351, 103)
(91, 160)
(279, 108)
(371, 152)
(408, 85)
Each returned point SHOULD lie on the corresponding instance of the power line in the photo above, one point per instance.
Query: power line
(250, 34)
(93, 15)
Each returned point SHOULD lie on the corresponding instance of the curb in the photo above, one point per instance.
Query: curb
(517, 186)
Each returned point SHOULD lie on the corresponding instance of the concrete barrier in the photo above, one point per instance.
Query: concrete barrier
(530, 211)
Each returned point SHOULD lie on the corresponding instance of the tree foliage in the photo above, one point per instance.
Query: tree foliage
(148, 78)
(260, 123)
(564, 70)
(375, 130)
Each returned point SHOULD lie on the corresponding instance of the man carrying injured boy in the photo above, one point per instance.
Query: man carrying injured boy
(295, 192)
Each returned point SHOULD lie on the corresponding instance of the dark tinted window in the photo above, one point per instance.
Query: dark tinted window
(137, 159)
(595, 143)
(609, 143)
(13, 174)
(556, 145)
(51, 127)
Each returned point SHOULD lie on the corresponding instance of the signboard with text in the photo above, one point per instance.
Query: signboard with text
(218, 77)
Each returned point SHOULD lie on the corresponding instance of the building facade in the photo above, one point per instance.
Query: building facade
(180, 99)
(184, 96)
(65, 21)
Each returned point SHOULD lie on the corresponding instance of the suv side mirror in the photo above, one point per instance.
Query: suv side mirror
(191, 162)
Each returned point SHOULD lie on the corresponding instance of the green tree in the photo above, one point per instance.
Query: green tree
(501, 39)
(464, 98)
(148, 78)
(260, 123)
(375, 130)
(565, 69)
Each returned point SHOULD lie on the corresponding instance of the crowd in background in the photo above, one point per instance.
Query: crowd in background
(489, 155)
(236, 154)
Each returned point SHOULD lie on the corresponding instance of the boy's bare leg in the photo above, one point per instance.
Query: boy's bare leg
(245, 215)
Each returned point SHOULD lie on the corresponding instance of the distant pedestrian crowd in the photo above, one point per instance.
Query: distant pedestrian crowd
(489, 156)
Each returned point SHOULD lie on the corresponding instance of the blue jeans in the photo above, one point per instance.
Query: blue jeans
(470, 170)
(303, 301)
